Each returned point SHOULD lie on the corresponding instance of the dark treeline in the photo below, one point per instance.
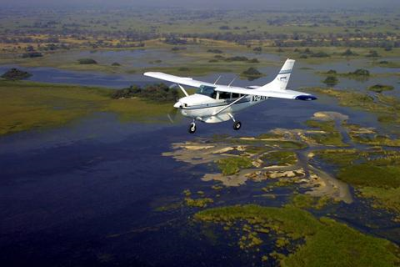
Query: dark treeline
(159, 93)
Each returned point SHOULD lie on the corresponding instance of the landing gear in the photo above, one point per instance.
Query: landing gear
(237, 125)
(192, 128)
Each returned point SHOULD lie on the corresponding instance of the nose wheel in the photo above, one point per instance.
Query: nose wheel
(237, 125)
(192, 128)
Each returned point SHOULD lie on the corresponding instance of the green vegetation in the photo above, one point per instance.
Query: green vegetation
(215, 51)
(305, 201)
(198, 203)
(159, 93)
(308, 53)
(32, 55)
(339, 157)
(15, 74)
(280, 158)
(379, 88)
(388, 64)
(349, 53)
(329, 136)
(251, 74)
(375, 139)
(375, 173)
(87, 61)
(284, 144)
(326, 242)
(388, 199)
(331, 81)
(371, 174)
(373, 53)
(382, 105)
(30, 105)
(359, 72)
(232, 165)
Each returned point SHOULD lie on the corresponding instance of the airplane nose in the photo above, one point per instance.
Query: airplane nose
(178, 105)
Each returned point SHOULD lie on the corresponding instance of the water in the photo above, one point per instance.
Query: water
(86, 193)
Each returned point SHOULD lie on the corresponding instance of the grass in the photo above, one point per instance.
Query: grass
(387, 106)
(198, 203)
(232, 165)
(283, 144)
(30, 105)
(388, 199)
(307, 202)
(377, 140)
(329, 137)
(379, 88)
(339, 157)
(372, 169)
(368, 174)
(280, 158)
(326, 242)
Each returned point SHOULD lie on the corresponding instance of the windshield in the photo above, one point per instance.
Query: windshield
(207, 90)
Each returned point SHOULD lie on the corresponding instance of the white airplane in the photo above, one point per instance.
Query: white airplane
(214, 103)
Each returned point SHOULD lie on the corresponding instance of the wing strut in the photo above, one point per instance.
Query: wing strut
(234, 102)
(183, 89)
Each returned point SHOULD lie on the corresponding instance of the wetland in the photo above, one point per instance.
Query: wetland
(94, 171)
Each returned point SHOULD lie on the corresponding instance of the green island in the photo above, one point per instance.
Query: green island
(310, 241)
(251, 74)
(30, 105)
(385, 107)
(379, 88)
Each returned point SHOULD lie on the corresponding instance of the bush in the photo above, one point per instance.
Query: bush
(159, 93)
(32, 55)
(87, 61)
(373, 53)
(251, 72)
(348, 53)
(331, 81)
(215, 51)
(320, 54)
(379, 88)
(16, 74)
(360, 72)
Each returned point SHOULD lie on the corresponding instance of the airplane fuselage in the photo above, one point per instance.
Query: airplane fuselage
(207, 109)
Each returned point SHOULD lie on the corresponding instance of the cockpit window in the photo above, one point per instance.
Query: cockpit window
(207, 90)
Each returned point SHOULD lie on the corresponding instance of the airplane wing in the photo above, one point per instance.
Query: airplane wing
(176, 79)
(285, 94)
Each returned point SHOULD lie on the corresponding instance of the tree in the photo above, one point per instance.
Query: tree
(16, 74)
(331, 81)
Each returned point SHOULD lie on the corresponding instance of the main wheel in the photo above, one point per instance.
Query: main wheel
(237, 125)
(192, 128)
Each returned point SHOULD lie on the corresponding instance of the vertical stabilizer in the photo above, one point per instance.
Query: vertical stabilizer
(282, 79)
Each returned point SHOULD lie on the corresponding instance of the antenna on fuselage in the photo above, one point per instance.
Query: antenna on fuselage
(217, 79)
(229, 85)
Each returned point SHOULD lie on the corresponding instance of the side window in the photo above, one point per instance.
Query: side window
(224, 95)
(235, 95)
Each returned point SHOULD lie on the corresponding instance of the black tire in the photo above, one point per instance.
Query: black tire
(237, 125)
(192, 128)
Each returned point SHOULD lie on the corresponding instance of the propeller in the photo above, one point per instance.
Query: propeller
(172, 114)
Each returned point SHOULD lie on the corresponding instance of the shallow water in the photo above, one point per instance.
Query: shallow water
(85, 193)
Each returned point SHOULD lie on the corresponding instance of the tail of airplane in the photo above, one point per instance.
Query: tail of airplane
(282, 79)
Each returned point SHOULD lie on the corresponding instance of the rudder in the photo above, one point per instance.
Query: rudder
(282, 79)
